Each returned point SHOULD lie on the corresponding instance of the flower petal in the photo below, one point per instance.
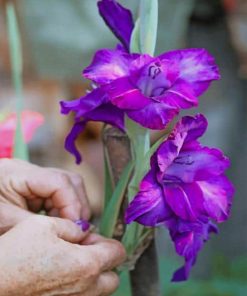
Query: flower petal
(69, 145)
(30, 121)
(196, 66)
(118, 19)
(186, 200)
(85, 104)
(148, 207)
(155, 115)
(108, 65)
(124, 95)
(197, 165)
(188, 239)
(217, 194)
(184, 137)
(105, 113)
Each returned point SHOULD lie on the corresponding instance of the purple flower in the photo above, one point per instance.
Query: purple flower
(151, 91)
(184, 189)
(92, 107)
(118, 19)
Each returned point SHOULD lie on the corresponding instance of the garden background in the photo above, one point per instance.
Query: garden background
(59, 38)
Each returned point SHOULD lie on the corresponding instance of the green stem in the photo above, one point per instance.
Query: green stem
(20, 148)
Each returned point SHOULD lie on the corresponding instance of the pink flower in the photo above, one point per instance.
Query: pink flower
(30, 122)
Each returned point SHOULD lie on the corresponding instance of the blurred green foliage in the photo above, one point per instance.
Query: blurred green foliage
(227, 278)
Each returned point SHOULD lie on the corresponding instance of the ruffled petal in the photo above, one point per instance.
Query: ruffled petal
(85, 104)
(155, 115)
(196, 66)
(183, 137)
(217, 195)
(30, 121)
(124, 95)
(193, 126)
(148, 207)
(186, 200)
(69, 145)
(108, 65)
(197, 165)
(105, 113)
(118, 19)
(188, 239)
(180, 95)
(108, 113)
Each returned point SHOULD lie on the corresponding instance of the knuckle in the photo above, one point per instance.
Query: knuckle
(120, 249)
(93, 269)
(63, 179)
(77, 179)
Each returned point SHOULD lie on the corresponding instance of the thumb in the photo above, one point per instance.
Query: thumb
(11, 215)
(68, 230)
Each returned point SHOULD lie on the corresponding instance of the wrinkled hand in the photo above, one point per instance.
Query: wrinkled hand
(41, 257)
(30, 187)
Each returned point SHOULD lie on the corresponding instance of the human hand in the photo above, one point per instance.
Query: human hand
(47, 260)
(31, 187)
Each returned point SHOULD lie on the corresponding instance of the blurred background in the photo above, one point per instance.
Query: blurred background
(59, 38)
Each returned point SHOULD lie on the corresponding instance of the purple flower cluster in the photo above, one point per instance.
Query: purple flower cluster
(184, 189)
(149, 90)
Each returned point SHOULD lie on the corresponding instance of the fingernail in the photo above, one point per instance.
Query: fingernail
(85, 225)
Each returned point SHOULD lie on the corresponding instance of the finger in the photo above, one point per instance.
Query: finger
(53, 213)
(107, 283)
(35, 205)
(110, 253)
(57, 186)
(80, 189)
(11, 215)
(93, 239)
(48, 204)
(78, 182)
(67, 230)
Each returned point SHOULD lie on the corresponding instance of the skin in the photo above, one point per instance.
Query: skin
(32, 188)
(50, 256)
(48, 260)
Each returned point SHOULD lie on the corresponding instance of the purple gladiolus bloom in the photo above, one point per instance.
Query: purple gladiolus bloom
(151, 91)
(184, 189)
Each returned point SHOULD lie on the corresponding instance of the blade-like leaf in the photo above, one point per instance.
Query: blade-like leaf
(148, 25)
(108, 181)
(110, 215)
(20, 147)
(135, 45)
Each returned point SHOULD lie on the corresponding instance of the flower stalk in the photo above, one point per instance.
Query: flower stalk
(20, 147)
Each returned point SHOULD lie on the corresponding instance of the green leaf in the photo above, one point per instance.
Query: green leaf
(130, 239)
(140, 143)
(124, 288)
(135, 45)
(110, 214)
(148, 25)
(148, 155)
(20, 147)
(108, 180)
